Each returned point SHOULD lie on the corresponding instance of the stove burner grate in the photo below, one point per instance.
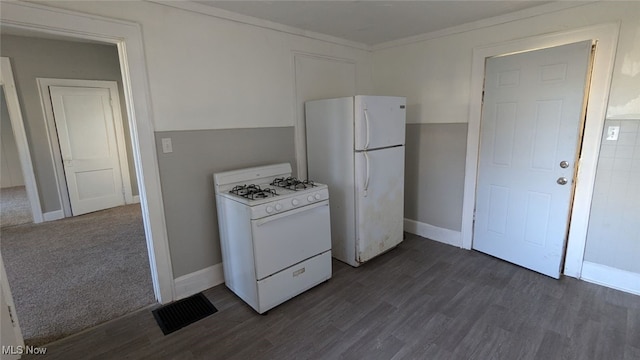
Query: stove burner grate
(253, 192)
(292, 183)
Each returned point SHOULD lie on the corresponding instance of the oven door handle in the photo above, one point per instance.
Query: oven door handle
(279, 216)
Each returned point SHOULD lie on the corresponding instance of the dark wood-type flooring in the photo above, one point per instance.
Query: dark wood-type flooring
(423, 300)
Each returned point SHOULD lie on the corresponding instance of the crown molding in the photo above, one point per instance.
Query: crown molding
(264, 24)
(488, 22)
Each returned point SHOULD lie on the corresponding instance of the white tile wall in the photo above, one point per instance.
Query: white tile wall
(613, 238)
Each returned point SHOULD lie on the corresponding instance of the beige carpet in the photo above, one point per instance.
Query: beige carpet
(14, 206)
(71, 274)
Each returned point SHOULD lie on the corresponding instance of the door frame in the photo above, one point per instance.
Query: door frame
(127, 36)
(54, 141)
(20, 135)
(606, 36)
(17, 340)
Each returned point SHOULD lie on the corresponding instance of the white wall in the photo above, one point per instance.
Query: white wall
(613, 238)
(206, 72)
(435, 75)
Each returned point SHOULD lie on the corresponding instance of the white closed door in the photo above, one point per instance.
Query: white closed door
(379, 121)
(86, 131)
(529, 140)
(379, 201)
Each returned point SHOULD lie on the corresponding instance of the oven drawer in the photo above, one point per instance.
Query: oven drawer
(292, 281)
(288, 238)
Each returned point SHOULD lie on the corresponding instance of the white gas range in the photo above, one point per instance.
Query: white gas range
(275, 234)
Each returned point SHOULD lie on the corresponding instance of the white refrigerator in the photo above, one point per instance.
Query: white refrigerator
(356, 146)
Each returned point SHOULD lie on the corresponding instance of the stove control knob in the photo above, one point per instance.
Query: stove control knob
(269, 209)
(317, 196)
(278, 207)
(310, 198)
(295, 202)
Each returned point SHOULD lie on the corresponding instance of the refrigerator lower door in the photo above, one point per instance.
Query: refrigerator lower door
(379, 178)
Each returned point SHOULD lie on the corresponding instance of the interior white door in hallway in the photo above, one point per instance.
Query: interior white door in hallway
(85, 125)
(529, 140)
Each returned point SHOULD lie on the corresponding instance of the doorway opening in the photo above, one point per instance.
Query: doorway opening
(92, 159)
(21, 203)
(50, 22)
(71, 274)
(532, 116)
(15, 208)
(605, 35)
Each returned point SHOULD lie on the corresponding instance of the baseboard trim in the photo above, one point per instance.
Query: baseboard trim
(622, 280)
(197, 281)
(450, 237)
(135, 199)
(53, 215)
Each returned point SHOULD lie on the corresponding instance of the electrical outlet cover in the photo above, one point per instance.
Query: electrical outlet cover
(612, 132)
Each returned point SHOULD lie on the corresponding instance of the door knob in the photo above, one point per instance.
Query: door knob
(564, 164)
(562, 180)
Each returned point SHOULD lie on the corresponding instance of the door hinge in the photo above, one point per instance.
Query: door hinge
(11, 316)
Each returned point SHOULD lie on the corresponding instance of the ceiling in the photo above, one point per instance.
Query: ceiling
(372, 22)
(369, 22)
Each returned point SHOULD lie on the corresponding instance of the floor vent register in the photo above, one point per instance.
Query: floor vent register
(175, 316)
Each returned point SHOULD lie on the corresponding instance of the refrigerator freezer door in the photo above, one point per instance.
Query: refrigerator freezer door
(379, 201)
(379, 121)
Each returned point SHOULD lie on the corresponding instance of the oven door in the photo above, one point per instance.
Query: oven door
(288, 238)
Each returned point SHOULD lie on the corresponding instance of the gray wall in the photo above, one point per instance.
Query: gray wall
(613, 237)
(186, 176)
(32, 58)
(435, 160)
(434, 173)
(11, 171)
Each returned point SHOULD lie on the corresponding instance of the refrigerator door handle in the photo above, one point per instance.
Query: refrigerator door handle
(366, 181)
(366, 123)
